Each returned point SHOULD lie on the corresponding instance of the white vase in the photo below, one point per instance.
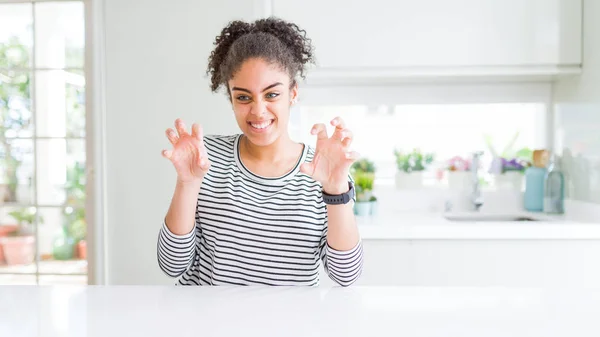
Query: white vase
(362, 208)
(511, 180)
(460, 180)
(409, 181)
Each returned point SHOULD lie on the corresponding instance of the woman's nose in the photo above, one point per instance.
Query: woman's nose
(259, 108)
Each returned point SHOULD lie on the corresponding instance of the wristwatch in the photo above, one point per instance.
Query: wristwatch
(339, 199)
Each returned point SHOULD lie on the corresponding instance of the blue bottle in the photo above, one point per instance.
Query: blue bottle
(533, 198)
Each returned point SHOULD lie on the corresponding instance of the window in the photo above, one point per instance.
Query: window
(432, 122)
(42, 143)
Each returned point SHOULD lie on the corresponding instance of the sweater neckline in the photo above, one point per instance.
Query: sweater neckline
(262, 179)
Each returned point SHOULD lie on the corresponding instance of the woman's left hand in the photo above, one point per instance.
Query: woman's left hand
(331, 163)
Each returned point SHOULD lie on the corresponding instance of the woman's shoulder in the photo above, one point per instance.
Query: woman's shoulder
(220, 143)
(221, 138)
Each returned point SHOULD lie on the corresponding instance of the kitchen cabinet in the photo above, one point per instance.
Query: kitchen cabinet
(519, 263)
(401, 38)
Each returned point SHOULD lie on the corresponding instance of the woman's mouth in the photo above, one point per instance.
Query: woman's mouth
(261, 126)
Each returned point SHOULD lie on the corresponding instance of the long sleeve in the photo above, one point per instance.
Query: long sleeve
(175, 252)
(343, 267)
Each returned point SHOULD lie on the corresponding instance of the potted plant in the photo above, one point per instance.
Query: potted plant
(19, 245)
(511, 173)
(71, 241)
(363, 173)
(410, 167)
(509, 166)
(6, 229)
(373, 202)
(77, 230)
(363, 182)
(459, 170)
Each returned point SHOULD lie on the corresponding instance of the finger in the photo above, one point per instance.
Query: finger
(338, 122)
(172, 135)
(202, 161)
(352, 155)
(307, 168)
(180, 126)
(320, 130)
(347, 142)
(197, 131)
(340, 127)
(204, 164)
(167, 154)
(343, 134)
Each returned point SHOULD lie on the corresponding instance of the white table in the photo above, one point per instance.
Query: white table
(261, 311)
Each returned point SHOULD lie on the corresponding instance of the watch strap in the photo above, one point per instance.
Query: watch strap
(339, 199)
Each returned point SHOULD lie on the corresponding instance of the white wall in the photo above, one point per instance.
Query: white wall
(156, 56)
(577, 117)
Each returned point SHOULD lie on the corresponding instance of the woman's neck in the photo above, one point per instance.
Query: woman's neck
(273, 160)
(277, 151)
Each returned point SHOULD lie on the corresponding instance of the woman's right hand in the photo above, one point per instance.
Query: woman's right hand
(189, 154)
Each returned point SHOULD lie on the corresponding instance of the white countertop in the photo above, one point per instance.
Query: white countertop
(434, 226)
(283, 311)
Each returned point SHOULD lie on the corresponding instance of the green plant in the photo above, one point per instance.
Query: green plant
(75, 223)
(509, 153)
(363, 165)
(413, 161)
(363, 173)
(25, 218)
(74, 214)
(14, 110)
(363, 185)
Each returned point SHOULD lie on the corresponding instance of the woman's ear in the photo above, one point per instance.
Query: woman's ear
(294, 94)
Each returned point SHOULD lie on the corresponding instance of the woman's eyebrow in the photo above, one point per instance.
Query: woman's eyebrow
(265, 89)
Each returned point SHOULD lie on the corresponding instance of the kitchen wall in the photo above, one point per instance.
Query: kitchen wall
(155, 64)
(155, 58)
(577, 115)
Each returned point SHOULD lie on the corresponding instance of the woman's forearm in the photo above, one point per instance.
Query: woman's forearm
(342, 231)
(180, 218)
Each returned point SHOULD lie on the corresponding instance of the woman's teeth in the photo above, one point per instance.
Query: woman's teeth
(261, 125)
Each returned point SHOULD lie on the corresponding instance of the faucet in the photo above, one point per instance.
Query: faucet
(476, 198)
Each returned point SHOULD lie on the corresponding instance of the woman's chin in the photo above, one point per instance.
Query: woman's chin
(261, 137)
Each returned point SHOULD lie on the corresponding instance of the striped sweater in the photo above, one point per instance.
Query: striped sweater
(253, 230)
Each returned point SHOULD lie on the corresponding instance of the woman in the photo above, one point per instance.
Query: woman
(267, 209)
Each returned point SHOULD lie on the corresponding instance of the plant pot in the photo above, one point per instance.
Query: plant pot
(362, 208)
(82, 249)
(373, 207)
(511, 180)
(4, 231)
(412, 180)
(18, 250)
(460, 180)
(63, 248)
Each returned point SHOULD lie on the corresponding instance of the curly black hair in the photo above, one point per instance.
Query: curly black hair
(273, 40)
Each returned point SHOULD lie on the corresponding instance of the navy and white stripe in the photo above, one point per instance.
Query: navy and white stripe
(253, 230)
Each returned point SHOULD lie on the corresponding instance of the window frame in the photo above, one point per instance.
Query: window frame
(93, 64)
(455, 91)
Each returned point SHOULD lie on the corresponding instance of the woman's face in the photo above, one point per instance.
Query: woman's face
(261, 99)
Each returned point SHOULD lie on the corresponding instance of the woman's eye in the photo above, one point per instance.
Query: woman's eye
(272, 95)
(243, 98)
